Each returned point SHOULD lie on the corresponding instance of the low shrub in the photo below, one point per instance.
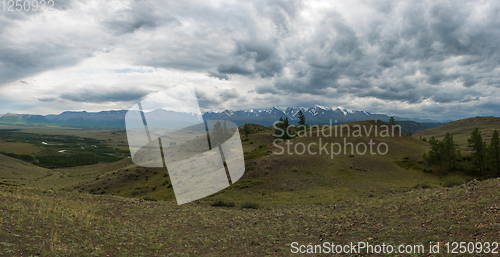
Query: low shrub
(423, 185)
(222, 203)
(451, 182)
(150, 198)
(250, 205)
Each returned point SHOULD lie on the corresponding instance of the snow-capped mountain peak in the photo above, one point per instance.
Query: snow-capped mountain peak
(317, 106)
(281, 108)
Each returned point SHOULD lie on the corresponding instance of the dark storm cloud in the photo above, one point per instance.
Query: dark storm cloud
(97, 94)
(407, 54)
(233, 69)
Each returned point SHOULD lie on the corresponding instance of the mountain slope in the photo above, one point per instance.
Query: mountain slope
(11, 118)
(408, 126)
(295, 178)
(462, 129)
(14, 171)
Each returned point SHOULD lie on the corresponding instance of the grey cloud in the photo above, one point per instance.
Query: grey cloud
(23, 55)
(267, 89)
(228, 94)
(140, 15)
(464, 95)
(218, 75)
(206, 101)
(19, 62)
(96, 95)
(46, 99)
(446, 52)
(233, 69)
(433, 34)
(64, 5)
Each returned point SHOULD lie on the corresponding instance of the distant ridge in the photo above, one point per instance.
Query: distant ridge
(314, 115)
(116, 119)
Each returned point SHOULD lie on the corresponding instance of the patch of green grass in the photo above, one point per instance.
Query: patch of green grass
(150, 198)
(451, 182)
(219, 202)
(250, 205)
(406, 163)
(88, 225)
(247, 183)
(422, 185)
(6, 244)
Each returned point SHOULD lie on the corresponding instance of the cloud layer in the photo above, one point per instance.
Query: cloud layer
(436, 59)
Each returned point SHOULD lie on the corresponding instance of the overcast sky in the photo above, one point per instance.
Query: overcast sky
(426, 59)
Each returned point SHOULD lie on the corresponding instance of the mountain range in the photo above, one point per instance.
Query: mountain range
(116, 119)
(314, 115)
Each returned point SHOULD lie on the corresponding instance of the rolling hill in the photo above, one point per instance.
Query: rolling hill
(462, 130)
(282, 198)
(270, 176)
(277, 178)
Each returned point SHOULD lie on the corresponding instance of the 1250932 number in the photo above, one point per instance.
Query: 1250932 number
(472, 247)
(27, 5)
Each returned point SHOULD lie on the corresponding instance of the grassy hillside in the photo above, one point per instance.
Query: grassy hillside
(17, 172)
(412, 126)
(15, 119)
(270, 178)
(273, 178)
(295, 178)
(282, 198)
(462, 129)
(37, 222)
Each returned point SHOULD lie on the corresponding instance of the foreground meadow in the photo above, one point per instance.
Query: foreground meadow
(38, 222)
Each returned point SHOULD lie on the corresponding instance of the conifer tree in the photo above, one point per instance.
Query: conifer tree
(302, 118)
(450, 152)
(225, 132)
(495, 153)
(217, 134)
(479, 150)
(278, 132)
(286, 126)
(246, 129)
(436, 156)
(392, 121)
